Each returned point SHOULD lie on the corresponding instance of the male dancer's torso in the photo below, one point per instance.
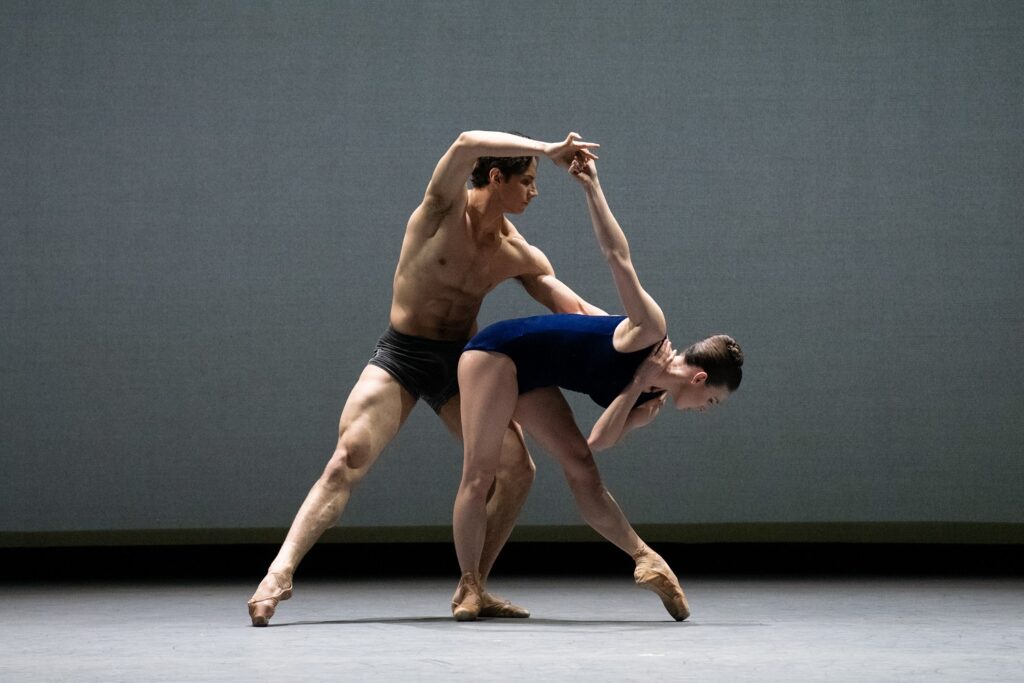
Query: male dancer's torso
(445, 269)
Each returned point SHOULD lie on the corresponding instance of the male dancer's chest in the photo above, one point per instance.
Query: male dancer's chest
(474, 268)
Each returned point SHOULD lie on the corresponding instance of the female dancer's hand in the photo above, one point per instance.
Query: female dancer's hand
(583, 170)
(650, 369)
(645, 413)
(655, 364)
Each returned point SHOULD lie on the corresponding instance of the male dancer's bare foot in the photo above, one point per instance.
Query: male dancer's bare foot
(654, 574)
(274, 588)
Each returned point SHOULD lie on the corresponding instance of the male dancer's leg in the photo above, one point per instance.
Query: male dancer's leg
(547, 417)
(505, 499)
(375, 410)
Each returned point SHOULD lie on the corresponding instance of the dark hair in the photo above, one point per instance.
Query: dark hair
(508, 166)
(719, 356)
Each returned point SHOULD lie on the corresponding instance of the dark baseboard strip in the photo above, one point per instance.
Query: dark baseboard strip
(379, 560)
(723, 549)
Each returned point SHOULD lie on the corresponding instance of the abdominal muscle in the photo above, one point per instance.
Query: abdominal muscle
(434, 310)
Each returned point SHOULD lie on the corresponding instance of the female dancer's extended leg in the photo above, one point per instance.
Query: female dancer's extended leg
(546, 416)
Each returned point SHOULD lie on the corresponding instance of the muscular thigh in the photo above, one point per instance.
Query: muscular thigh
(375, 410)
(547, 417)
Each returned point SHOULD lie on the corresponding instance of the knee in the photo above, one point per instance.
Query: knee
(518, 469)
(580, 467)
(347, 465)
(519, 472)
(479, 476)
(476, 484)
(517, 478)
(524, 472)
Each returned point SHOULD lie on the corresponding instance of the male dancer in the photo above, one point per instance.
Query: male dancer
(458, 246)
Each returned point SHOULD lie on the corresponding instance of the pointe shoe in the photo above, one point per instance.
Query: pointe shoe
(493, 606)
(654, 574)
(467, 598)
(261, 609)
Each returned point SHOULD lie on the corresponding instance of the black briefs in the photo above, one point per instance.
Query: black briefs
(426, 368)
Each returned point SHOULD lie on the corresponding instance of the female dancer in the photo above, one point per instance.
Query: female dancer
(513, 370)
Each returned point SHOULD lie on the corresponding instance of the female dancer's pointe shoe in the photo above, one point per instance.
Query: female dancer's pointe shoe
(654, 574)
(493, 606)
(261, 609)
(467, 598)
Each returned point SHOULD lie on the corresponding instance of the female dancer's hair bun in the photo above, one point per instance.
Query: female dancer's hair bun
(721, 357)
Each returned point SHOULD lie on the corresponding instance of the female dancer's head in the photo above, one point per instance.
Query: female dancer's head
(706, 373)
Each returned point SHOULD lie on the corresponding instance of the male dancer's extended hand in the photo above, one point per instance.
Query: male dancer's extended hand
(573, 147)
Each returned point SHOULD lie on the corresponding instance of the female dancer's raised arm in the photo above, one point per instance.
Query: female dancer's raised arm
(646, 323)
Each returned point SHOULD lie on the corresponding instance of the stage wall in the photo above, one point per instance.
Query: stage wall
(202, 204)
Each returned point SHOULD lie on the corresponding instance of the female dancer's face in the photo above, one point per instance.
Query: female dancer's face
(699, 396)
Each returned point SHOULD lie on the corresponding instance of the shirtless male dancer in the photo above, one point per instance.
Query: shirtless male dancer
(458, 246)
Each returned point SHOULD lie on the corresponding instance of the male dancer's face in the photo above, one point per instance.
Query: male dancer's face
(518, 190)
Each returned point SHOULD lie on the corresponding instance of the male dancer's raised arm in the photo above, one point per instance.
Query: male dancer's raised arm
(447, 188)
(447, 192)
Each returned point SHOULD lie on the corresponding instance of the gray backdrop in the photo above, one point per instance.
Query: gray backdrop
(202, 205)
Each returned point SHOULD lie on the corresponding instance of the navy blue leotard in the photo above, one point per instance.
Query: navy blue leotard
(571, 351)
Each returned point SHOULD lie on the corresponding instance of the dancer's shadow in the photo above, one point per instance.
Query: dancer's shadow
(369, 620)
(520, 623)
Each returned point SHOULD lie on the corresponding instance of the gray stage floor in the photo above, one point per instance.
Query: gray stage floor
(595, 629)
